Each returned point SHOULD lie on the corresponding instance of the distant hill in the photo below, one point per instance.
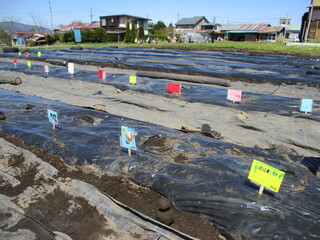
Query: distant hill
(15, 26)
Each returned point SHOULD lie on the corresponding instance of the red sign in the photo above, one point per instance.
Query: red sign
(234, 95)
(174, 88)
(15, 61)
(26, 53)
(102, 74)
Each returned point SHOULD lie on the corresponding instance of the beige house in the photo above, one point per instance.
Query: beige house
(193, 24)
(116, 24)
(312, 23)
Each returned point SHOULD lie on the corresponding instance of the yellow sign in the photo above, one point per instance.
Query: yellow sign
(29, 64)
(266, 175)
(133, 79)
(39, 54)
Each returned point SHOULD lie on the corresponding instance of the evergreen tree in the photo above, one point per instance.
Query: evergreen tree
(141, 32)
(127, 38)
(133, 31)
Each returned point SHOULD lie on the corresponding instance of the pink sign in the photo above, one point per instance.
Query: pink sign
(46, 69)
(234, 95)
(174, 88)
(15, 60)
(102, 74)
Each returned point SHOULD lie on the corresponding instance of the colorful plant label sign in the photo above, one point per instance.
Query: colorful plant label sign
(306, 105)
(133, 79)
(29, 64)
(53, 117)
(71, 68)
(128, 138)
(46, 68)
(234, 95)
(15, 61)
(39, 54)
(266, 175)
(102, 74)
(26, 54)
(174, 88)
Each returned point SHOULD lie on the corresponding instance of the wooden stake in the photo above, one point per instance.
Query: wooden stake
(261, 190)
(129, 152)
(53, 126)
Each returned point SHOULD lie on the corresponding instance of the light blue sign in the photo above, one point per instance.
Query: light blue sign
(128, 138)
(53, 117)
(306, 105)
(77, 35)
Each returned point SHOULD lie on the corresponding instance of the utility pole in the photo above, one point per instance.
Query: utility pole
(91, 14)
(178, 17)
(51, 17)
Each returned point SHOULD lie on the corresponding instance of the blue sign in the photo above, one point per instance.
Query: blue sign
(128, 138)
(306, 105)
(77, 35)
(53, 117)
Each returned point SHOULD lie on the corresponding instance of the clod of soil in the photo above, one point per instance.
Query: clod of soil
(164, 204)
(85, 118)
(166, 217)
(160, 143)
(2, 116)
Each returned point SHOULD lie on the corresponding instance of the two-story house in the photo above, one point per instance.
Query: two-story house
(185, 25)
(311, 28)
(116, 24)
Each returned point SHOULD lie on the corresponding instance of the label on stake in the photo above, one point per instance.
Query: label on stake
(46, 68)
(128, 138)
(71, 68)
(132, 79)
(53, 117)
(306, 105)
(174, 88)
(234, 95)
(266, 175)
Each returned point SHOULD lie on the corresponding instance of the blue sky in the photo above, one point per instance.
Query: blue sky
(168, 11)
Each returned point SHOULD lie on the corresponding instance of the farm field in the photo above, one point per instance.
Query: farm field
(189, 176)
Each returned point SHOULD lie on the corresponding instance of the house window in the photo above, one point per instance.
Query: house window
(103, 22)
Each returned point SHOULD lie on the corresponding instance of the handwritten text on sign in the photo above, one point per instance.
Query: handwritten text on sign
(266, 175)
(128, 138)
(53, 117)
(234, 95)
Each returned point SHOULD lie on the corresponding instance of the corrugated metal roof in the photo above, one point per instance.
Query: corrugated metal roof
(272, 29)
(191, 21)
(244, 27)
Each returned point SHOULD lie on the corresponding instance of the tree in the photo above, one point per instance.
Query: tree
(68, 36)
(4, 38)
(127, 38)
(133, 34)
(141, 32)
(39, 22)
(159, 26)
(10, 24)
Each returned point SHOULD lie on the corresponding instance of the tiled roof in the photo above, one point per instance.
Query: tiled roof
(272, 29)
(244, 27)
(191, 21)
